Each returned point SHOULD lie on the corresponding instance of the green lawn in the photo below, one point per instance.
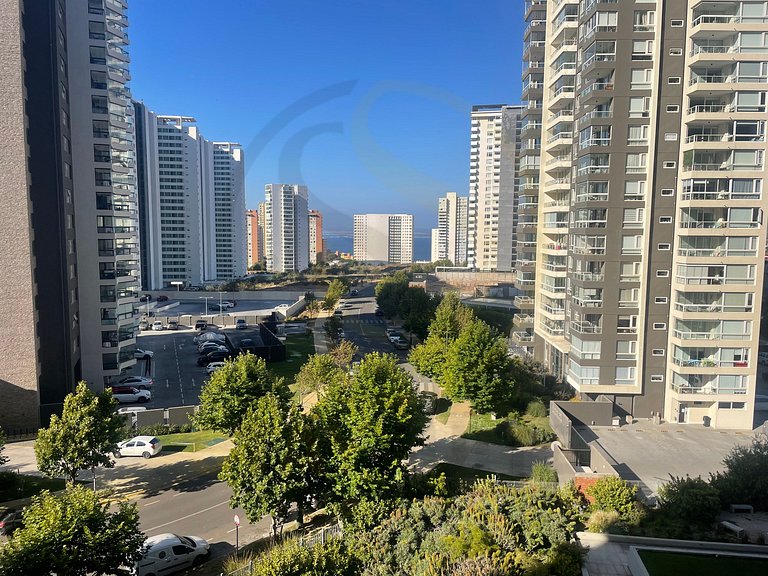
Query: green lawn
(26, 486)
(482, 427)
(454, 472)
(190, 441)
(297, 350)
(680, 564)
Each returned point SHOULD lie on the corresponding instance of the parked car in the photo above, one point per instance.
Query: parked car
(215, 356)
(248, 345)
(430, 401)
(143, 325)
(140, 354)
(130, 394)
(201, 325)
(193, 288)
(401, 344)
(378, 312)
(228, 304)
(157, 326)
(209, 337)
(393, 335)
(140, 382)
(353, 292)
(145, 298)
(145, 446)
(213, 347)
(162, 298)
(10, 522)
(340, 334)
(169, 553)
(338, 312)
(173, 325)
(213, 366)
(241, 324)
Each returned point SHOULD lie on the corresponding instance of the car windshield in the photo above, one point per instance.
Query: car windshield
(188, 541)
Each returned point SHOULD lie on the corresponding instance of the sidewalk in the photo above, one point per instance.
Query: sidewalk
(318, 332)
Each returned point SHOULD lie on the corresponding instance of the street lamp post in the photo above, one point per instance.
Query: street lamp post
(206, 303)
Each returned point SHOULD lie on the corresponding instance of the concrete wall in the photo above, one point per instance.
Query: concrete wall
(592, 413)
(473, 278)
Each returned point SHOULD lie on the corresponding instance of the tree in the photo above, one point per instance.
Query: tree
(318, 372)
(74, 534)
(476, 369)
(235, 388)
(745, 479)
(335, 291)
(84, 436)
(368, 425)
(390, 291)
(417, 309)
(612, 493)
(269, 467)
(331, 327)
(3, 459)
(690, 500)
(343, 354)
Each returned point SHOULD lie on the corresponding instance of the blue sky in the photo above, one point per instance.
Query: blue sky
(366, 102)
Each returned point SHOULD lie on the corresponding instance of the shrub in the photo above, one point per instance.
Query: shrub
(692, 500)
(566, 559)
(543, 472)
(536, 409)
(164, 429)
(612, 493)
(521, 433)
(9, 480)
(602, 520)
(745, 479)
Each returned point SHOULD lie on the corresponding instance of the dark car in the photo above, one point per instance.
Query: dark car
(145, 298)
(353, 292)
(201, 325)
(217, 356)
(10, 522)
(430, 401)
(378, 312)
(248, 345)
(162, 298)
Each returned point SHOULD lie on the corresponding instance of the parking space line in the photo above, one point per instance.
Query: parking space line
(178, 368)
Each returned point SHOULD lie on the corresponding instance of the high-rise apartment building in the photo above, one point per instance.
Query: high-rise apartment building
(262, 211)
(494, 142)
(449, 239)
(383, 238)
(104, 175)
(192, 203)
(39, 300)
(224, 234)
(529, 164)
(316, 242)
(651, 240)
(252, 232)
(286, 227)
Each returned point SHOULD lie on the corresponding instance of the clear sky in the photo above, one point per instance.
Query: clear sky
(366, 102)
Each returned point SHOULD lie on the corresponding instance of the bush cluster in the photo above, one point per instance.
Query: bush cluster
(518, 432)
(164, 429)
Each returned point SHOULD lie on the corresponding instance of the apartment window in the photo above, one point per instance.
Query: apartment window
(103, 177)
(631, 244)
(639, 106)
(99, 105)
(626, 350)
(664, 246)
(644, 20)
(641, 78)
(626, 325)
(642, 49)
(625, 375)
(676, 23)
(66, 145)
(662, 273)
(95, 6)
(731, 405)
(67, 170)
(100, 129)
(670, 164)
(673, 80)
(659, 325)
(630, 271)
(667, 192)
(675, 51)
(657, 378)
(101, 153)
(634, 190)
(98, 55)
(660, 300)
(636, 163)
(657, 352)
(665, 219)
(673, 108)
(96, 30)
(633, 217)
(638, 135)
(670, 136)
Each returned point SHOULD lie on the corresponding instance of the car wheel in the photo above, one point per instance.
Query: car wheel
(143, 400)
(198, 560)
(118, 455)
(147, 455)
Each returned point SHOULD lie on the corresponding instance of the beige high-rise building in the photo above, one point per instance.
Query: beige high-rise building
(651, 240)
(316, 243)
(286, 227)
(449, 239)
(383, 238)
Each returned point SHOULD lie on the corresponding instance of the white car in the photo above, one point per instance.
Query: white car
(157, 326)
(140, 354)
(169, 553)
(129, 395)
(130, 409)
(213, 366)
(145, 446)
(208, 337)
(140, 382)
(228, 304)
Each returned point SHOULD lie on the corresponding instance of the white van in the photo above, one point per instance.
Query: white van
(171, 553)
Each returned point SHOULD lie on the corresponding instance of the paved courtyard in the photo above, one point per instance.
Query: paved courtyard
(651, 453)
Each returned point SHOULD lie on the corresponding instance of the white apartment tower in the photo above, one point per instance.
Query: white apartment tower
(494, 141)
(103, 171)
(383, 238)
(651, 239)
(286, 227)
(449, 239)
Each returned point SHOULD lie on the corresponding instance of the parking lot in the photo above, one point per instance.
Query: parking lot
(174, 368)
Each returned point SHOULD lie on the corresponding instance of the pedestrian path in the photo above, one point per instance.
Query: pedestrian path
(357, 320)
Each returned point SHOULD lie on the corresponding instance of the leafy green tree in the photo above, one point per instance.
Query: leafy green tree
(233, 390)
(613, 493)
(84, 436)
(269, 467)
(417, 309)
(745, 479)
(343, 354)
(331, 327)
(318, 372)
(73, 534)
(476, 369)
(335, 291)
(368, 425)
(3, 459)
(390, 292)
(690, 500)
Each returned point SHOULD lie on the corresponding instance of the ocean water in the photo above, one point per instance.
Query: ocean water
(422, 247)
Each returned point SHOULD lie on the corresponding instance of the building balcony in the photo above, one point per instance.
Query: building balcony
(522, 320)
(553, 329)
(586, 301)
(585, 327)
(586, 276)
(524, 302)
(522, 337)
(707, 390)
(711, 335)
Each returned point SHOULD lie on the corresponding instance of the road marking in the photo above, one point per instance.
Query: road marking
(167, 383)
(230, 531)
(188, 516)
(193, 381)
(152, 503)
(178, 368)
